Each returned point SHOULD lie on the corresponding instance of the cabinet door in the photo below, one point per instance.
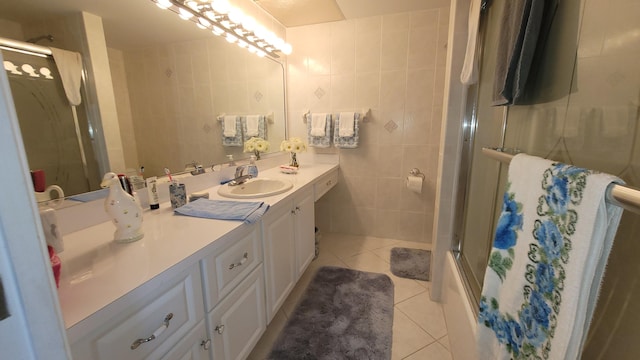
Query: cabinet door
(194, 346)
(238, 322)
(304, 221)
(279, 256)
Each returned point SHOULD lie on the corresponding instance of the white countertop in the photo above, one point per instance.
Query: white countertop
(96, 271)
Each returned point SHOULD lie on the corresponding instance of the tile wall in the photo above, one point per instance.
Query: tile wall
(395, 66)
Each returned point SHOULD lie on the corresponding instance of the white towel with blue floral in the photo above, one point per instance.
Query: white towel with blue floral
(231, 131)
(550, 249)
(351, 140)
(320, 141)
(254, 126)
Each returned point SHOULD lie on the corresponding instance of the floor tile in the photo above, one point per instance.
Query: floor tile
(404, 288)
(426, 313)
(407, 336)
(434, 351)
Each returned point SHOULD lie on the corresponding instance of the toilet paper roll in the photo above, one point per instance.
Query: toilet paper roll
(414, 183)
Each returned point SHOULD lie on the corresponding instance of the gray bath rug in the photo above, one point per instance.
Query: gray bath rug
(410, 263)
(343, 314)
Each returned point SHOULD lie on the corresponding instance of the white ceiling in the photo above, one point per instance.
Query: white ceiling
(129, 23)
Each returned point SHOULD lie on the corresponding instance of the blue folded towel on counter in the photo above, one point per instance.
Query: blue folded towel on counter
(248, 212)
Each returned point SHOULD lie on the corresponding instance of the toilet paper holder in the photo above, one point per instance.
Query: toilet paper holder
(416, 172)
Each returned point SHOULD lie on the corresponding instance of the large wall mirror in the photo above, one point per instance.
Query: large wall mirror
(171, 82)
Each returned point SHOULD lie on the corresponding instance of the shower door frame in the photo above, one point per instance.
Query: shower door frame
(469, 127)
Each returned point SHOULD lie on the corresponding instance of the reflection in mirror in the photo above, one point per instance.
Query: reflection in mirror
(168, 93)
(180, 93)
(56, 139)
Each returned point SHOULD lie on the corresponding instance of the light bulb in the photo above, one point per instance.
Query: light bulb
(163, 4)
(192, 4)
(231, 38)
(249, 23)
(279, 43)
(242, 43)
(217, 31)
(236, 16)
(260, 53)
(252, 49)
(203, 23)
(270, 37)
(287, 49)
(220, 6)
(184, 14)
(210, 14)
(260, 31)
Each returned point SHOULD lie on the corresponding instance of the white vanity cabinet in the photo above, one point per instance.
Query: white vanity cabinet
(148, 322)
(234, 295)
(288, 240)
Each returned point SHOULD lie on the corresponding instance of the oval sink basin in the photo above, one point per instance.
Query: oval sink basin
(255, 188)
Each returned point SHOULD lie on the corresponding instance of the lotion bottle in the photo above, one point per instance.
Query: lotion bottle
(252, 169)
(152, 191)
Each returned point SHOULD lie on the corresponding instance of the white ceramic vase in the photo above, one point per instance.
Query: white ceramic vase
(124, 210)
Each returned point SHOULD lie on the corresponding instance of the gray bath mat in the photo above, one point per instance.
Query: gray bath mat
(343, 314)
(410, 263)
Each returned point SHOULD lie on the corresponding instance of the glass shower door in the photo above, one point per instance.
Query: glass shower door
(484, 127)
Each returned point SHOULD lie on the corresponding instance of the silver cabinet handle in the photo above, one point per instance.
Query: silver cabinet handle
(219, 329)
(245, 257)
(161, 329)
(206, 344)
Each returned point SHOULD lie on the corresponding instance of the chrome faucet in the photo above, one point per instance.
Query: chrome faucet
(240, 178)
(197, 168)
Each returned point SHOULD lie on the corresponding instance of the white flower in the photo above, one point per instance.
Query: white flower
(256, 144)
(294, 144)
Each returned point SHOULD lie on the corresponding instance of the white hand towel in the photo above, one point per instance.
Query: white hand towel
(550, 249)
(347, 123)
(253, 122)
(469, 74)
(318, 125)
(69, 65)
(229, 126)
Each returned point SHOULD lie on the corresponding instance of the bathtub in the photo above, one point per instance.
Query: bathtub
(458, 312)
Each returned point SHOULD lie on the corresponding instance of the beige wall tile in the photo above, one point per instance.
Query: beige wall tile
(388, 64)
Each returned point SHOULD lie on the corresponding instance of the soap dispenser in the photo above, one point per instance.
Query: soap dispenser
(252, 169)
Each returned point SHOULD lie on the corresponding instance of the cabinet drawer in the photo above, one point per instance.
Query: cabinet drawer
(176, 303)
(325, 183)
(225, 268)
(238, 322)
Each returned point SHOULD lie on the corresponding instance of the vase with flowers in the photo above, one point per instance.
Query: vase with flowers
(294, 145)
(256, 145)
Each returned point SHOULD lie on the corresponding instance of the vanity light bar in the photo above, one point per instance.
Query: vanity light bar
(223, 20)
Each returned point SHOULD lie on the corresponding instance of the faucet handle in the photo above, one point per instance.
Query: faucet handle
(240, 170)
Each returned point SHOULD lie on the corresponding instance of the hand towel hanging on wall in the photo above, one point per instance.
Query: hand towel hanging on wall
(520, 32)
(322, 124)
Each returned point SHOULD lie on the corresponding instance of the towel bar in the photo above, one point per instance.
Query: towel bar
(270, 117)
(364, 114)
(624, 196)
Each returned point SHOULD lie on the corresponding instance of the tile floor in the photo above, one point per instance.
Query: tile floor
(419, 329)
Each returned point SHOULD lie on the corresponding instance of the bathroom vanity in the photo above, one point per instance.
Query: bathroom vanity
(191, 288)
